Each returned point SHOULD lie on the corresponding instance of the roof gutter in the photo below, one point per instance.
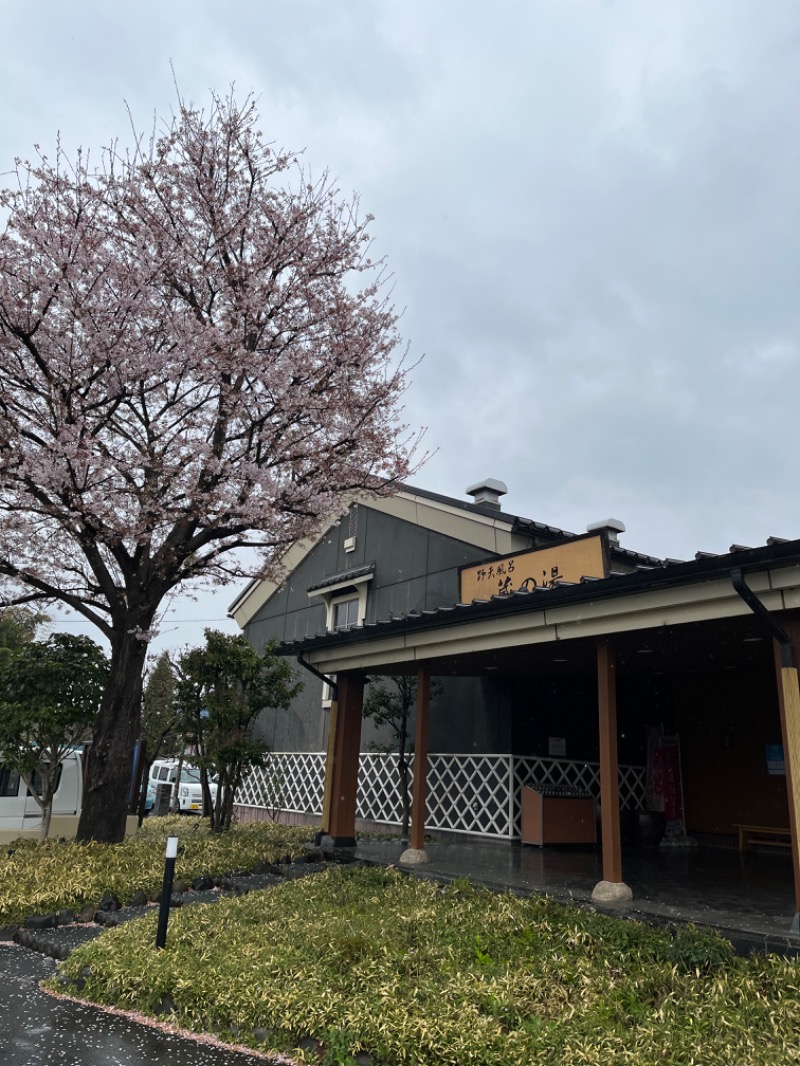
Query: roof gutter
(325, 678)
(763, 615)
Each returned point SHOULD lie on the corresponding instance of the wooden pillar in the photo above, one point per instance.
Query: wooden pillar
(612, 887)
(789, 703)
(416, 852)
(341, 775)
(333, 714)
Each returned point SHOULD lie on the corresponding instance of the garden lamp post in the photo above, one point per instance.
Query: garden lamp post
(166, 891)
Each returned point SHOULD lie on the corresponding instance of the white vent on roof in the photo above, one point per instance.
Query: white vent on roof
(487, 493)
(612, 527)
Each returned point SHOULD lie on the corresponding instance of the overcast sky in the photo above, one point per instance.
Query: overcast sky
(590, 211)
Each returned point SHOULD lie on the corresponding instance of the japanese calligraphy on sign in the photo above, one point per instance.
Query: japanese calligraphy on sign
(540, 568)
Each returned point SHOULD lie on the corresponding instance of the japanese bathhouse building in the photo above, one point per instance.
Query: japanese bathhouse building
(549, 665)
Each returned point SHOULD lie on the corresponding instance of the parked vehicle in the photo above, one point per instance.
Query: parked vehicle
(21, 815)
(190, 791)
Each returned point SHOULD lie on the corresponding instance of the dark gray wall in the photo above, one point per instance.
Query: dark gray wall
(415, 569)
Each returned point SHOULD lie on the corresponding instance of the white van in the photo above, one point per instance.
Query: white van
(190, 790)
(21, 815)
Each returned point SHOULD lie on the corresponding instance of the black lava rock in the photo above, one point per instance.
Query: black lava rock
(109, 903)
(108, 919)
(86, 913)
(202, 884)
(41, 921)
(166, 1005)
(139, 899)
(313, 855)
(66, 916)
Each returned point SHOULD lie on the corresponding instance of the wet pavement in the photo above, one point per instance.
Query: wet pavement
(748, 896)
(37, 1029)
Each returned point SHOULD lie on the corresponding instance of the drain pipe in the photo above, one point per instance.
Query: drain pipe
(790, 721)
(329, 757)
(323, 677)
(761, 612)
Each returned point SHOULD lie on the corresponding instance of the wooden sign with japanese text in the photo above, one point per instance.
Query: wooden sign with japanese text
(540, 568)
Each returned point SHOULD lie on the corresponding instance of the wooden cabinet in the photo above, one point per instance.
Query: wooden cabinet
(557, 818)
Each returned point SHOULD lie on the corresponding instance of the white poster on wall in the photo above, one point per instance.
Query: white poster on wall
(557, 747)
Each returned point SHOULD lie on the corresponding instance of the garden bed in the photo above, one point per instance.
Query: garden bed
(374, 966)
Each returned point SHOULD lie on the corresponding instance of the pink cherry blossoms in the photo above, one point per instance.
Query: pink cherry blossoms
(195, 355)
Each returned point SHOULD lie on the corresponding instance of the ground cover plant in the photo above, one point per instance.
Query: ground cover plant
(356, 961)
(45, 876)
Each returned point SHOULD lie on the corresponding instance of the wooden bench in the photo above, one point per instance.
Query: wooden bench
(770, 836)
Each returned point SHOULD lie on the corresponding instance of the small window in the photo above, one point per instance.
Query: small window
(345, 613)
(9, 781)
(37, 780)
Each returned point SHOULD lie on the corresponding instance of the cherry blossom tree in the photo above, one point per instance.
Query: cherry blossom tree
(197, 355)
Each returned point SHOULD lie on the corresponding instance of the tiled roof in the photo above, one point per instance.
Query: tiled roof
(345, 575)
(666, 573)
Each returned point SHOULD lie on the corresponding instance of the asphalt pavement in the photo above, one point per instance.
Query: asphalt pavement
(37, 1029)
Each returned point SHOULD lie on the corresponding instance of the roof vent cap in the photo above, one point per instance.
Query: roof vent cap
(612, 527)
(487, 493)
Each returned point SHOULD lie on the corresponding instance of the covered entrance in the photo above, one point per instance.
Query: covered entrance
(600, 668)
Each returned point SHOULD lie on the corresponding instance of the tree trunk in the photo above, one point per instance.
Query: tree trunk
(218, 817)
(208, 803)
(45, 801)
(402, 770)
(110, 763)
(233, 784)
(175, 797)
(142, 777)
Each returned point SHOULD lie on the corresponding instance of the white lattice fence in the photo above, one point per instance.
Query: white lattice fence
(578, 775)
(469, 794)
(379, 789)
(479, 794)
(290, 781)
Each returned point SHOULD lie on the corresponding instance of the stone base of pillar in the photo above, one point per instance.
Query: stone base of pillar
(338, 842)
(414, 856)
(611, 892)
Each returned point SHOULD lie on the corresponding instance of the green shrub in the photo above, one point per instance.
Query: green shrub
(373, 960)
(45, 876)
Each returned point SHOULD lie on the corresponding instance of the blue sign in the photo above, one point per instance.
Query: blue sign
(776, 765)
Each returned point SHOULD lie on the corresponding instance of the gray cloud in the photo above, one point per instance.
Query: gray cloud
(590, 211)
